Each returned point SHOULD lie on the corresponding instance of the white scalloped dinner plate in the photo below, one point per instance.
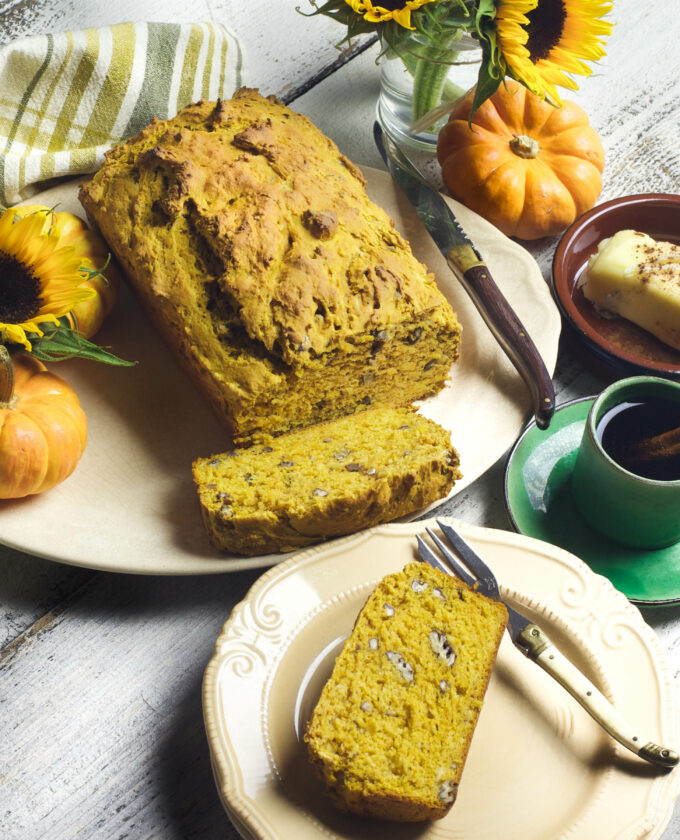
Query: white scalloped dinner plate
(130, 506)
(539, 768)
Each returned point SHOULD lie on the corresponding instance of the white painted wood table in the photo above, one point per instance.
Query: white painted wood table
(101, 733)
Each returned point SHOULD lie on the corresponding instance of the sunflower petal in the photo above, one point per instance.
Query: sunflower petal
(574, 39)
(375, 13)
(28, 242)
(14, 334)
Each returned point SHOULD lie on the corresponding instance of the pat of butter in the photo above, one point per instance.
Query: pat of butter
(638, 278)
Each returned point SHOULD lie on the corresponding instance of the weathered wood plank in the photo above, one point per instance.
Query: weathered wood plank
(30, 589)
(102, 731)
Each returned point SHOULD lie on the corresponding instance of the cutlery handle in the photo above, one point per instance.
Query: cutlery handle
(508, 330)
(539, 648)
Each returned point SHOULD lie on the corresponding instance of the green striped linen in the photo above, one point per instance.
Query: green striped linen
(67, 98)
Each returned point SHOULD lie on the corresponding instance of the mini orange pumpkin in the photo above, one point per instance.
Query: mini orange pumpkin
(43, 429)
(87, 316)
(526, 166)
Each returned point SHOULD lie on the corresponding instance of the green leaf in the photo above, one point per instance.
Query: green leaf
(331, 8)
(488, 82)
(434, 21)
(485, 14)
(91, 273)
(60, 342)
(341, 12)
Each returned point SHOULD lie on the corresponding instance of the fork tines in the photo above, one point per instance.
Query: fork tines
(475, 572)
(447, 561)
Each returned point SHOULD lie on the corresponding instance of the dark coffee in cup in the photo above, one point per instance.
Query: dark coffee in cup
(643, 436)
(629, 439)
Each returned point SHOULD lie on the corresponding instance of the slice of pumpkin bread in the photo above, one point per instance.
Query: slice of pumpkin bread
(326, 480)
(391, 731)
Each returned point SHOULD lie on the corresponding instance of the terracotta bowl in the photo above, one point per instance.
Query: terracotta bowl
(622, 346)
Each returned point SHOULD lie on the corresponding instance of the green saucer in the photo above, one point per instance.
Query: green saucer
(539, 503)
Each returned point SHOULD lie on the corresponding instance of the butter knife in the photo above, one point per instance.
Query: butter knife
(467, 264)
(535, 644)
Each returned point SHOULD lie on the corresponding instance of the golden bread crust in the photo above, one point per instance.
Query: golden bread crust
(251, 242)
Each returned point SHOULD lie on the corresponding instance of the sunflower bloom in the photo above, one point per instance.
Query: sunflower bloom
(39, 278)
(544, 40)
(397, 10)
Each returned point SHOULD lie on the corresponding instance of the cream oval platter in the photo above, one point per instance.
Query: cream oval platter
(539, 766)
(130, 506)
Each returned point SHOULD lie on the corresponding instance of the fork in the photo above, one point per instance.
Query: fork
(534, 643)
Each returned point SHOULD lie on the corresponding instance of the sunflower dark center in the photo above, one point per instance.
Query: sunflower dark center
(391, 5)
(546, 23)
(19, 291)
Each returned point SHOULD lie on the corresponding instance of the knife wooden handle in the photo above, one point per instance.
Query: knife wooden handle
(510, 334)
(539, 648)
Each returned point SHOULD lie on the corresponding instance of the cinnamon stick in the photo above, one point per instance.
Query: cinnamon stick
(666, 445)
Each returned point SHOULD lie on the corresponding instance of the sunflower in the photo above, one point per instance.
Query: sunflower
(39, 279)
(543, 40)
(397, 10)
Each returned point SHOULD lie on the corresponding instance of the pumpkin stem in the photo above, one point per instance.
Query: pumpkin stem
(6, 377)
(524, 146)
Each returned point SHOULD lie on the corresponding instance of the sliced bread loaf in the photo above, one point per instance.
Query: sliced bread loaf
(326, 480)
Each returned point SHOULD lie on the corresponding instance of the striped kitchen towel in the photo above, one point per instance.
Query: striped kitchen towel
(67, 98)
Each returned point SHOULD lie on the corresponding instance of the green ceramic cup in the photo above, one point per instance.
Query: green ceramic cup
(629, 508)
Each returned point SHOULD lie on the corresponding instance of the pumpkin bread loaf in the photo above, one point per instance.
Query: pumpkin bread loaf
(253, 246)
(325, 480)
(391, 731)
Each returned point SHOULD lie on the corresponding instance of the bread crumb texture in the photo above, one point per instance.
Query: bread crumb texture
(325, 480)
(251, 242)
(392, 729)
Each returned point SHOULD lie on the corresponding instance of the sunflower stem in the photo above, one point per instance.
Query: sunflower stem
(450, 91)
(6, 377)
(429, 76)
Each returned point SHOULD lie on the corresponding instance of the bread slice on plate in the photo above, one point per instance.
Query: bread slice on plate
(391, 731)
